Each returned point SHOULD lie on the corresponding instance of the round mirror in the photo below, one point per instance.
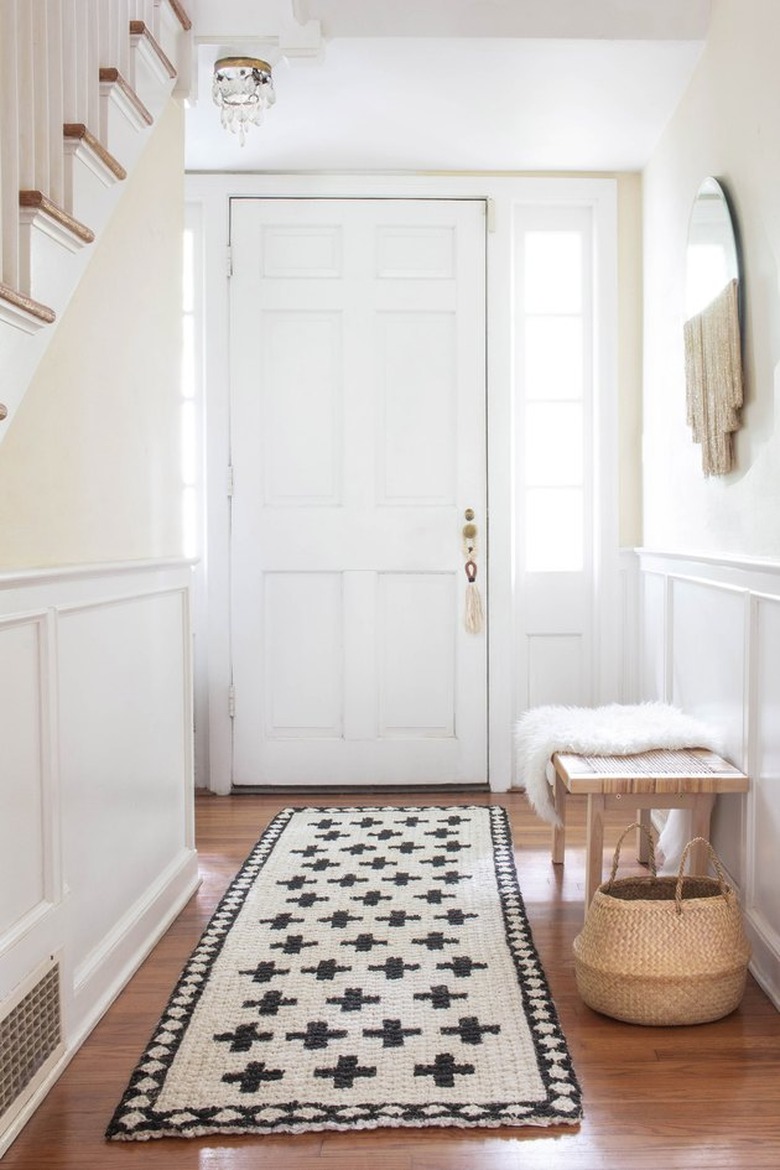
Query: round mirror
(711, 256)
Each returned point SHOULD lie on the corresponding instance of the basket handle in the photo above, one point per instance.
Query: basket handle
(623, 835)
(725, 889)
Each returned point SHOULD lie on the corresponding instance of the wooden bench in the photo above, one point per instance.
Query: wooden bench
(689, 778)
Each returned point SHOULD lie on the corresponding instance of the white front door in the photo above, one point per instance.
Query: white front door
(358, 443)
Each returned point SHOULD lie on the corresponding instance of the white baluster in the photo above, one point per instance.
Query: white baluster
(9, 140)
(25, 71)
(123, 32)
(94, 59)
(70, 41)
(56, 152)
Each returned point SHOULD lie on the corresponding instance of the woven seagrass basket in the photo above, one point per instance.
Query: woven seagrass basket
(663, 950)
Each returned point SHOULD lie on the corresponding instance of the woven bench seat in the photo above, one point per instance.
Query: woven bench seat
(689, 778)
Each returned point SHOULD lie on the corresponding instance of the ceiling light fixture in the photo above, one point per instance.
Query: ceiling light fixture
(243, 91)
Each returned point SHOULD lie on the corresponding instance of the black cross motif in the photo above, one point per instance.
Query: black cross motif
(407, 847)
(402, 878)
(455, 819)
(439, 834)
(281, 921)
(309, 851)
(297, 882)
(325, 969)
(398, 918)
(325, 823)
(435, 897)
(455, 917)
(364, 942)
(373, 897)
(470, 1030)
(365, 823)
(461, 966)
(412, 822)
(292, 945)
(451, 877)
(320, 865)
(394, 967)
(443, 1070)
(317, 1034)
(435, 941)
(333, 835)
(377, 863)
(386, 834)
(307, 900)
(440, 996)
(244, 1037)
(437, 861)
(341, 918)
(270, 1003)
(454, 846)
(253, 1076)
(348, 880)
(353, 999)
(357, 850)
(391, 1033)
(264, 972)
(346, 1071)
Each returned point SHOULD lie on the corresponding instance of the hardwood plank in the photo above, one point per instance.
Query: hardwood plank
(677, 1098)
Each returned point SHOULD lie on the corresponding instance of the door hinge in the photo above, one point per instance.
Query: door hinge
(231, 482)
(229, 260)
(231, 702)
(490, 214)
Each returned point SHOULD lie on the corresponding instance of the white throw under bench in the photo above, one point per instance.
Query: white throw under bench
(688, 778)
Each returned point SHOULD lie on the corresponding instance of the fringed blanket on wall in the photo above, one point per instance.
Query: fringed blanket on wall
(713, 379)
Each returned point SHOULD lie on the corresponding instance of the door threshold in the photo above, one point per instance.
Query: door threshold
(342, 790)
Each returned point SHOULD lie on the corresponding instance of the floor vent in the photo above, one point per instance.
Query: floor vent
(30, 1036)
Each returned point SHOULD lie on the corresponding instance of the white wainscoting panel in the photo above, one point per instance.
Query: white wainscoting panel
(23, 824)
(766, 804)
(96, 840)
(710, 644)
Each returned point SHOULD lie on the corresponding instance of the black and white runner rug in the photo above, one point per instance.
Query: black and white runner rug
(367, 967)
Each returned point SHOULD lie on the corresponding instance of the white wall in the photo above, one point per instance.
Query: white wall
(90, 468)
(726, 126)
(709, 589)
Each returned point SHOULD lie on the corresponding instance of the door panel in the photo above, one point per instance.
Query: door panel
(358, 441)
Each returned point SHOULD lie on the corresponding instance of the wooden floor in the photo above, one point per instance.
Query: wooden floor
(654, 1098)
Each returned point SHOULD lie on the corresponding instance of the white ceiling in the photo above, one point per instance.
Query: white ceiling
(487, 85)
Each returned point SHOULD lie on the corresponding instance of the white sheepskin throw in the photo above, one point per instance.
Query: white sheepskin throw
(614, 730)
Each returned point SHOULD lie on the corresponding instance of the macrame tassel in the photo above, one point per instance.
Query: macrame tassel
(473, 618)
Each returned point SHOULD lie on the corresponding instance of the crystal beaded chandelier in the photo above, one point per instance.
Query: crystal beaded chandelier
(243, 91)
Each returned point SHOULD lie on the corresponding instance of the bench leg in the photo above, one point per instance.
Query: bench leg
(642, 846)
(559, 831)
(701, 814)
(594, 849)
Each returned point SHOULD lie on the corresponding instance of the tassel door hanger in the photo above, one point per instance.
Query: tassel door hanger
(473, 618)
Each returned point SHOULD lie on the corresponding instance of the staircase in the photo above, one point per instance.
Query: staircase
(81, 84)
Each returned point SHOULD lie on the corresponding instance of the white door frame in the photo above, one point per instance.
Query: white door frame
(213, 193)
